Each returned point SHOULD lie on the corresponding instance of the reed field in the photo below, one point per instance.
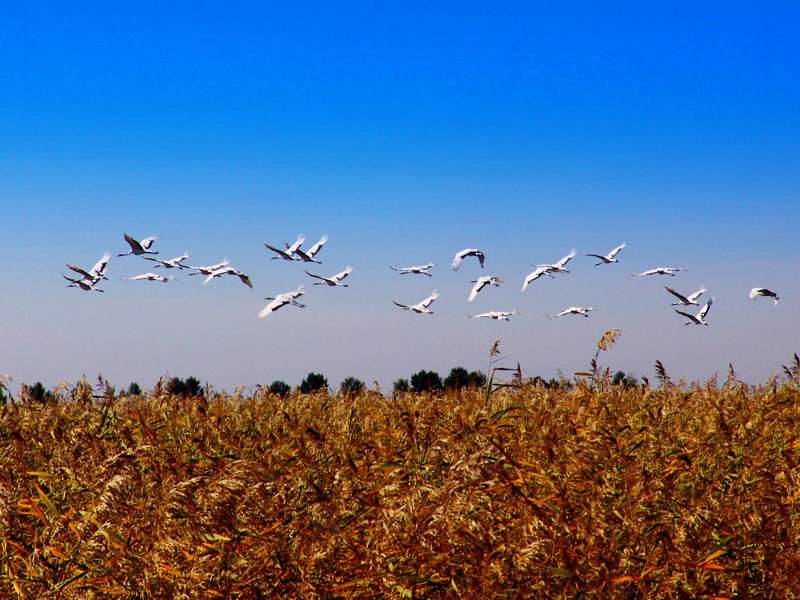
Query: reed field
(672, 490)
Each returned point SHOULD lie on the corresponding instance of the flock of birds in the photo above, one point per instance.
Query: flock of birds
(89, 280)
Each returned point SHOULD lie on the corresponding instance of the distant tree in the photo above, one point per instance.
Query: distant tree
(38, 393)
(624, 379)
(426, 381)
(459, 377)
(401, 385)
(177, 386)
(134, 389)
(313, 382)
(351, 386)
(279, 388)
(193, 387)
(3, 397)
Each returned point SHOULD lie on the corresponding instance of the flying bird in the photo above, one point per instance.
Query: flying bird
(573, 310)
(759, 291)
(467, 252)
(699, 318)
(228, 271)
(84, 284)
(480, 283)
(691, 299)
(148, 277)
(140, 248)
(418, 269)
(608, 258)
(289, 253)
(210, 268)
(659, 271)
(421, 307)
(533, 276)
(498, 315)
(282, 300)
(559, 266)
(309, 256)
(334, 280)
(172, 263)
(94, 275)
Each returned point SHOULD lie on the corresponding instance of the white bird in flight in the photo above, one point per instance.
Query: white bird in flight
(210, 268)
(608, 258)
(534, 275)
(309, 256)
(467, 252)
(140, 248)
(172, 263)
(660, 271)
(333, 280)
(559, 266)
(148, 277)
(699, 318)
(289, 254)
(691, 299)
(498, 315)
(91, 278)
(418, 269)
(421, 307)
(573, 310)
(482, 282)
(282, 300)
(228, 271)
(760, 291)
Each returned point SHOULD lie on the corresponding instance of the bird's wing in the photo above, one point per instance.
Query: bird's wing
(457, 260)
(479, 285)
(614, 252)
(80, 272)
(681, 297)
(481, 257)
(99, 269)
(702, 314)
(429, 300)
(341, 275)
(695, 295)
(297, 243)
(317, 276)
(148, 241)
(560, 264)
(271, 307)
(596, 256)
(282, 254)
(406, 306)
(245, 280)
(135, 246)
(318, 246)
(692, 318)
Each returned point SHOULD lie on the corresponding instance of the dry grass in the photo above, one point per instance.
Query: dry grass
(678, 492)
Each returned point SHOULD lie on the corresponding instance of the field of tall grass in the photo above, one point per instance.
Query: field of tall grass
(598, 491)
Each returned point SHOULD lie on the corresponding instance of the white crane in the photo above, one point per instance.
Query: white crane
(699, 318)
(498, 315)
(282, 300)
(418, 269)
(148, 277)
(309, 256)
(140, 248)
(289, 254)
(559, 266)
(482, 282)
(420, 307)
(333, 280)
(690, 300)
(534, 275)
(93, 276)
(210, 268)
(467, 252)
(84, 284)
(172, 263)
(572, 310)
(228, 271)
(760, 291)
(608, 258)
(660, 271)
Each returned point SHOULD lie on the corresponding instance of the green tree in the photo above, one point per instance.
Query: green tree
(134, 389)
(39, 393)
(313, 382)
(426, 381)
(279, 388)
(351, 386)
(193, 387)
(401, 385)
(177, 387)
(459, 378)
(624, 379)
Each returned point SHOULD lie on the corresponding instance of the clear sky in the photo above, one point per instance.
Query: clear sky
(405, 133)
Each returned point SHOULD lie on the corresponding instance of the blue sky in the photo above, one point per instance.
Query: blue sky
(406, 134)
